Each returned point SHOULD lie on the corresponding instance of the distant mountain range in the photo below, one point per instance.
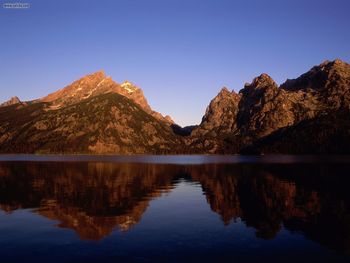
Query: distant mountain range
(307, 115)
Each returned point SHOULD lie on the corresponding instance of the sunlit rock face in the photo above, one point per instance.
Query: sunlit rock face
(93, 85)
(96, 84)
(94, 199)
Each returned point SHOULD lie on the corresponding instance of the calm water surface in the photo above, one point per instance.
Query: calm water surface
(174, 209)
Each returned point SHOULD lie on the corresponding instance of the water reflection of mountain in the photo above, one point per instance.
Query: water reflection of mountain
(91, 198)
(95, 198)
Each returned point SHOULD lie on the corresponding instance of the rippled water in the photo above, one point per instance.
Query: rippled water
(174, 209)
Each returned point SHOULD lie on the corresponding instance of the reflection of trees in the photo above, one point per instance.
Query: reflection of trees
(95, 198)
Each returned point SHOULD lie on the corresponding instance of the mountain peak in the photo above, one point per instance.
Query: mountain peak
(317, 78)
(338, 61)
(340, 66)
(96, 84)
(335, 62)
(261, 82)
(97, 74)
(12, 101)
(85, 87)
(327, 65)
(223, 92)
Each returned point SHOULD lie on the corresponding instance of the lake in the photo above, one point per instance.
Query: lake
(174, 208)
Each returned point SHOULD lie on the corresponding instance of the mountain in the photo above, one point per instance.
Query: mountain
(96, 84)
(95, 114)
(92, 115)
(233, 121)
(107, 123)
(221, 114)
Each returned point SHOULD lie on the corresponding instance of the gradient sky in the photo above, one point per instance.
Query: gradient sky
(180, 52)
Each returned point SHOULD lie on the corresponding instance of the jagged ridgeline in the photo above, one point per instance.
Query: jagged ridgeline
(94, 114)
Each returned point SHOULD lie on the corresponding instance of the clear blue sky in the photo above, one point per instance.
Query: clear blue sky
(180, 52)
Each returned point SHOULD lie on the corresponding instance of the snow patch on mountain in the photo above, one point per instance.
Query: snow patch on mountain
(128, 86)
